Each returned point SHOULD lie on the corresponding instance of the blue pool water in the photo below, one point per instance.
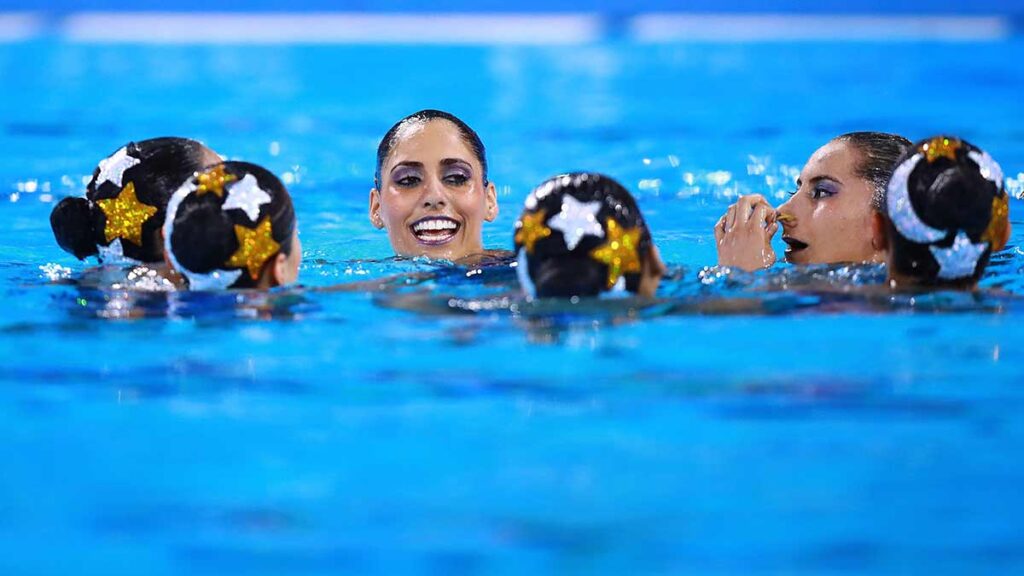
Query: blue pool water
(344, 435)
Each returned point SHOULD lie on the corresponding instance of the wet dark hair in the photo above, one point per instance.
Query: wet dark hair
(200, 235)
(162, 164)
(469, 136)
(555, 269)
(880, 151)
(956, 193)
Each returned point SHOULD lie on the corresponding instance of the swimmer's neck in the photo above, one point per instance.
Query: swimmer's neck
(904, 283)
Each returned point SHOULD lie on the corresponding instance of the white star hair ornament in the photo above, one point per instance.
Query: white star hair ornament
(960, 259)
(988, 167)
(112, 168)
(246, 195)
(576, 220)
(113, 255)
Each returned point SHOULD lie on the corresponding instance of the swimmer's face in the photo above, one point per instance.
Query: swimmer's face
(830, 216)
(432, 198)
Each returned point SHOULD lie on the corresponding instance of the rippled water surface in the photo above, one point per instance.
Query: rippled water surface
(344, 432)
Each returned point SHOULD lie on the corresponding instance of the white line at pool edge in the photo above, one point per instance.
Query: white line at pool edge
(19, 26)
(180, 28)
(486, 29)
(790, 28)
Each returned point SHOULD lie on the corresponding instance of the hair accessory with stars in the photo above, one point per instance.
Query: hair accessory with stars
(125, 215)
(940, 147)
(580, 234)
(949, 192)
(224, 225)
(255, 247)
(214, 280)
(213, 180)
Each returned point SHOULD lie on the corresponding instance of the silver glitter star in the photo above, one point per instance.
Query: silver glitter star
(988, 167)
(247, 195)
(901, 211)
(960, 259)
(113, 254)
(576, 220)
(112, 168)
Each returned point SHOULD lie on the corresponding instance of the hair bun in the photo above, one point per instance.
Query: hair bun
(73, 224)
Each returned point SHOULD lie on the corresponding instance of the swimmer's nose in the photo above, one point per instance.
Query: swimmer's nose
(785, 218)
(784, 215)
(434, 196)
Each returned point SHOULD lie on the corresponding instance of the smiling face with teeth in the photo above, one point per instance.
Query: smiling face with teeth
(432, 198)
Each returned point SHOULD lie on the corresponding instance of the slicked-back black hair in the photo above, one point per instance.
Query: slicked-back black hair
(881, 152)
(164, 163)
(469, 136)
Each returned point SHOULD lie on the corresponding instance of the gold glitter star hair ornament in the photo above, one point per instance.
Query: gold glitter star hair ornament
(530, 228)
(212, 181)
(255, 247)
(124, 213)
(620, 252)
(125, 216)
(941, 147)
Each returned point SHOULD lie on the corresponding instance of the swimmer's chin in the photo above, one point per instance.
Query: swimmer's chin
(452, 250)
(794, 258)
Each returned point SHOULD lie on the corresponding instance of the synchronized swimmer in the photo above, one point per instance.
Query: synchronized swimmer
(934, 212)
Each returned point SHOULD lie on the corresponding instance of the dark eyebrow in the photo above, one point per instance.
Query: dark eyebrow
(817, 179)
(409, 163)
(450, 161)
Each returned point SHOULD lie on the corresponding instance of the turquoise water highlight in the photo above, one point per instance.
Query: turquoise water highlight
(346, 436)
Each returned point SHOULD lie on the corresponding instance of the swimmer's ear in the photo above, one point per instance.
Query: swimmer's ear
(375, 218)
(492, 202)
(879, 233)
(277, 271)
(653, 270)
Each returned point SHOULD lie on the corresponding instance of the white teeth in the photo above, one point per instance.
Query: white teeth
(434, 224)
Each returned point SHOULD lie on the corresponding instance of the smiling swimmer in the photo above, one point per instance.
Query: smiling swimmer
(431, 191)
(945, 212)
(232, 226)
(120, 216)
(582, 234)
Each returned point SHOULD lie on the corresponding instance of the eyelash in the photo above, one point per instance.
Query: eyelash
(456, 179)
(817, 193)
(820, 192)
(408, 181)
(411, 181)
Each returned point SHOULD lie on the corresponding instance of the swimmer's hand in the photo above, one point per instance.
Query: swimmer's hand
(743, 235)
